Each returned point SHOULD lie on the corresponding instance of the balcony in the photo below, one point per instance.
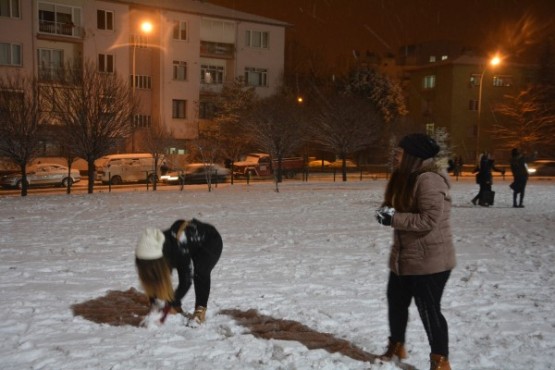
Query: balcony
(217, 50)
(60, 29)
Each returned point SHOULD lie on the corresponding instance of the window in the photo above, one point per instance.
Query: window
(257, 39)
(473, 105)
(179, 70)
(207, 110)
(9, 8)
(139, 41)
(429, 82)
(104, 20)
(502, 81)
(10, 54)
(475, 79)
(444, 57)
(211, 74)
(141, 120)
(180, 30)
(141, 82)
(50, 63)
(256, 77)
(106, 63)
(432, 59)
(179, 108)
(59, 19)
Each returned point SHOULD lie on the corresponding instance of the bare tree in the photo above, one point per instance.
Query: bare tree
(344, 124)
(276, 127)
(156, 141)
(232, 106)
(528, 121)
(95, 110)
(21, 121)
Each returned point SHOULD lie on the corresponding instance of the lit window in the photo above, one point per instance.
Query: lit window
(432, 58)
(9, 8)
(430, 128)
(180, 30)
(257, 39)
(502, 81)
(211, 74)
(444, 57)
(429, 82)
(106, 63)
(10, 54)
(256, 77)
(104, 20)
(475, 79)
(179, 108)
(179, 70)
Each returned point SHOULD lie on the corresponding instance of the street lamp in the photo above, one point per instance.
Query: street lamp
(146, 28)
(492, 62)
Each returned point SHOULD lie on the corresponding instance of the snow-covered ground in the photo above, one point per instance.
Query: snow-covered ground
(312, 253)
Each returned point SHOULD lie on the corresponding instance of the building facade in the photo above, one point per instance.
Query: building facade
(449, 86)
(177, 56)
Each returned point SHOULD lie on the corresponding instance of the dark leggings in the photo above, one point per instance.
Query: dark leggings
(203, 263)
(427, 291)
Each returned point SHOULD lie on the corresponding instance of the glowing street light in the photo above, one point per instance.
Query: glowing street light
(496, 60)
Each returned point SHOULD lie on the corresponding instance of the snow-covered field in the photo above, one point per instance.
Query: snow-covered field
(312, 253)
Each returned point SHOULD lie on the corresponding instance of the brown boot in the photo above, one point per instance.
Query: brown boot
(200, 314)
(439, 362)
(394, 349)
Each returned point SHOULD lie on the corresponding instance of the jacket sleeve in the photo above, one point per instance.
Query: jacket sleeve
(430, 193)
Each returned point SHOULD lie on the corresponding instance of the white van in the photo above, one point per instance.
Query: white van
(119, 168)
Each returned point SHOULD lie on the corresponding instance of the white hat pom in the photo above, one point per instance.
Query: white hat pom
(150, 244)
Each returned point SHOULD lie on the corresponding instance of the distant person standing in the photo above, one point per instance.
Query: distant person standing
(520, 176)
(484, 178)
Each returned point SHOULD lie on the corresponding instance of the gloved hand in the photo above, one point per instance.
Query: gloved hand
(384, 215)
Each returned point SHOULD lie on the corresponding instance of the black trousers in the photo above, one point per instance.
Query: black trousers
(427, 291)
(203, 263)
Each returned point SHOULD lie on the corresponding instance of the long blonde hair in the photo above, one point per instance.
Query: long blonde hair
(399, 192)
(156, 279)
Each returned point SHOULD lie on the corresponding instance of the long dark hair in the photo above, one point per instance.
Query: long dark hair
(399, 192)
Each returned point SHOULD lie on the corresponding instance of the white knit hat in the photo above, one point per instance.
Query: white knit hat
(150, 244)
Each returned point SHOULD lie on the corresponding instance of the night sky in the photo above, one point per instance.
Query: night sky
(334, 28)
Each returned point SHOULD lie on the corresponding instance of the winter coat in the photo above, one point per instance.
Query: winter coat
(422, 239)
(484, 170)
(197, 250)
(520, 173)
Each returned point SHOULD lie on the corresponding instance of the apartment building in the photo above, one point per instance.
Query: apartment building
(453, 88)
(177, 55)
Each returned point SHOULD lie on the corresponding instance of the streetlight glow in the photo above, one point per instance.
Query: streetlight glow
(146, 27)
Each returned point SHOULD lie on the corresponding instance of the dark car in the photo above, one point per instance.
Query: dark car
(197, 173)
(542, 168)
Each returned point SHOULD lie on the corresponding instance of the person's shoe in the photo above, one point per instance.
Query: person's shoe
(439, 362)
(474, 201)
(200, 314)
(394, 349)
(521, 206)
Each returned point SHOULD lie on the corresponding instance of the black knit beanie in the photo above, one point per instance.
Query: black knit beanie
(419, 145)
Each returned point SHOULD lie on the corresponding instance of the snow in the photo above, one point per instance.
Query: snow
(312, 253)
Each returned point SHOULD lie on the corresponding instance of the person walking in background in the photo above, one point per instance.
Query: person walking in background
(192, 248)
(417, 206)
(484, 178)
(520, 175)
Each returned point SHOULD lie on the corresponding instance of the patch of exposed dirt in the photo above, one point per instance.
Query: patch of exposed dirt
(130, 307)
(267, 327)
(116, 308)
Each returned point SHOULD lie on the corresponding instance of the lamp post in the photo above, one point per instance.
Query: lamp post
(493, 62)
(146, 28)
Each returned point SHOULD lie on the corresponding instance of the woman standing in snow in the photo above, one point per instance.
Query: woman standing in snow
(520, 175)
(192, 248)
(417, 205)
(484, 178)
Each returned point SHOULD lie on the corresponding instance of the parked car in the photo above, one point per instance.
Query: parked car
(318, 163)
(42, 174)
(339, 164)
(542, 168)
(196, 173)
